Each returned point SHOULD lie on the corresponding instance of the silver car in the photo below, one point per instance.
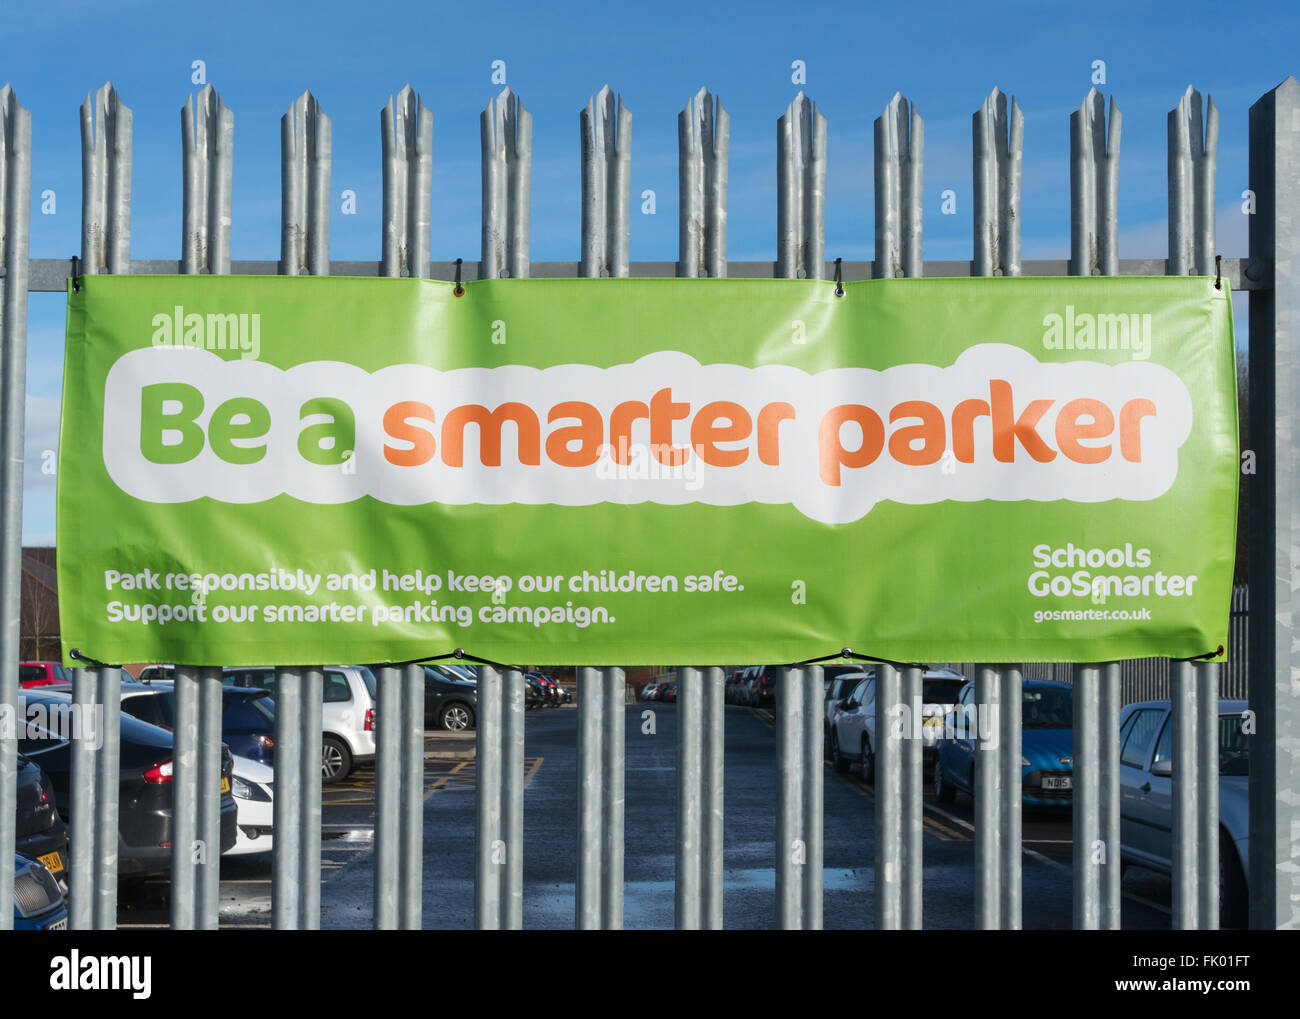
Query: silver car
(1146, 798)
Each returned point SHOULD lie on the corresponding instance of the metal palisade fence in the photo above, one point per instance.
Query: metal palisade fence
(1268, 272)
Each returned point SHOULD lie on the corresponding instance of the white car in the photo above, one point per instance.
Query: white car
(347, 712)
(853, 727)
(252, 784)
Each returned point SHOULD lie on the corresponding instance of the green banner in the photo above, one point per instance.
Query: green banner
(261, 470)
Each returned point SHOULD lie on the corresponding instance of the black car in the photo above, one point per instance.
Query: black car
(450, 700)
(145, 789)
(41, 833)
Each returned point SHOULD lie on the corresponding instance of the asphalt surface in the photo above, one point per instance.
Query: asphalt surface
(550, 838)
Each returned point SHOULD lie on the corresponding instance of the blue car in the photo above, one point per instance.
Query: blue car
(38, 900)
(247, 715)
(1046, 745)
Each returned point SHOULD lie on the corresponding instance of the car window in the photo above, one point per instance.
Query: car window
(336, 689)
(1126, 727)
(940, 691)
(142, 707)
(869, 694)
(28, 673)
(1164, 743)
(1234, 746)
(968, 694)
(1140, 734)
(1047, 707)
(62, 674)
(859, 692)
(372, 684)
(263, 678)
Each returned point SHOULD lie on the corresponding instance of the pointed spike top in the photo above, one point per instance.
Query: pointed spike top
(504, 96)
(702, 96)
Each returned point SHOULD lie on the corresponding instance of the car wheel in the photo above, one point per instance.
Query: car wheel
(335, 760)
(838, 760)
(1234, 904)
(456, 718)
(868, 762)
(944, 791)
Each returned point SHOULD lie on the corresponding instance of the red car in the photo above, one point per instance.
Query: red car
(42, 674)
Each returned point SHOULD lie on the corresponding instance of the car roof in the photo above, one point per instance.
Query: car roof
(1225, 704)
(132, 728)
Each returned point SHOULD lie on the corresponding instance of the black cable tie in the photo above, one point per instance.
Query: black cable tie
(849, 653)
(76, 276)
(1218, 272)
(94, 663)
(1201, 658)
(459, 291)
(839, 277)
(460, 655)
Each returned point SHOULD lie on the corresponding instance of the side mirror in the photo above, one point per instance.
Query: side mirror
(1163, 769)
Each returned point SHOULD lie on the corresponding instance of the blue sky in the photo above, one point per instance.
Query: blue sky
(944, 57)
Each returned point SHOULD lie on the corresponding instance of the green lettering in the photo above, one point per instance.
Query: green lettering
(328, 443)
(155, 422)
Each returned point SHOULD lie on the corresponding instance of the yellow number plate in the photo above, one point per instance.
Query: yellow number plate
(225, 786)
(53, 862)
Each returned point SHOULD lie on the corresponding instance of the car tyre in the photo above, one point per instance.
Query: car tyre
(944, 791)
(456, 717)
(336, 760)
(1234, 901)
(838, 760)
(868, 762)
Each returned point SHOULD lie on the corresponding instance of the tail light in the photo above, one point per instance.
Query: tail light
(264, 741)
(370, 719)
(159, 773)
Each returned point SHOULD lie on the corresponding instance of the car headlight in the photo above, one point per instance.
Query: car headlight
(240, 789)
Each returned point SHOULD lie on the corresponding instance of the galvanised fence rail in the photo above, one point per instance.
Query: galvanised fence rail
(1268, 271)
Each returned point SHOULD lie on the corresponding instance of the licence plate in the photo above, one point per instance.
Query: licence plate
(53, 862)
(225, 786)
(1056, 782)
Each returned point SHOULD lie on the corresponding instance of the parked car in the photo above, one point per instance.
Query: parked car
(1146, 798)
(1046, 745)
(152, 672)
(253, 787)
(247, 715)
(145, 784)
(669, 692)
(32, 674)
(347, 713)
(41, 834)
(853, 725)
(534, 695)
(450, 700)
(838, 690)
(648, 691)
(39, 904)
